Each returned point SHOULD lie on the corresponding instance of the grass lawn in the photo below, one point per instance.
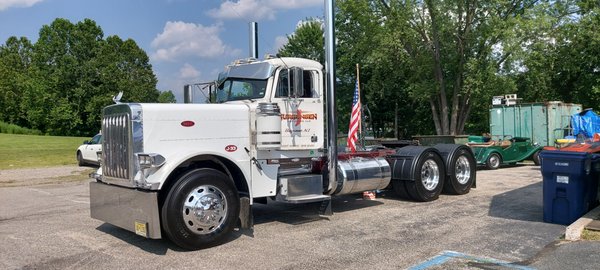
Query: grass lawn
(590, 235)
(31, 151)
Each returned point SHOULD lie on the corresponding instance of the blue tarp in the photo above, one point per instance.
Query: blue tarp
(586, 123)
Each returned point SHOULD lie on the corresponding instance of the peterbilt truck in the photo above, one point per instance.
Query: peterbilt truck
(192, 172)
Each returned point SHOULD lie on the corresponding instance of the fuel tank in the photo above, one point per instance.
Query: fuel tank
(360, 174)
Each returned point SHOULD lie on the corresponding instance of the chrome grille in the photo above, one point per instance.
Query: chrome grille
(116, 149)
(122, 129)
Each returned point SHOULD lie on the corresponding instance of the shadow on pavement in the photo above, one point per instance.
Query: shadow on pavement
(155, 246)
(520, 204)
(296, 214)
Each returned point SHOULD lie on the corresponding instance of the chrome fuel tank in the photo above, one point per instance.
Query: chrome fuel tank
(362, 174)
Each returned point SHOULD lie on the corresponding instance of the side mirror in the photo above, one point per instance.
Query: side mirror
(86, 142)
(298, 81)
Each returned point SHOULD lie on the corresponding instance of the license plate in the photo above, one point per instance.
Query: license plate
(562, 179)
(141, 228)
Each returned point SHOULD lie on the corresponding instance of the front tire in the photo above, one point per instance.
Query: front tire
(493, 161)
(201, 209)
(429, 180)
(80, 161)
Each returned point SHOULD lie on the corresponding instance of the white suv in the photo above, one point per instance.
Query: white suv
(89, 152)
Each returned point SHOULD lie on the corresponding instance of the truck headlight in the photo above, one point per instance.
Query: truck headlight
(151, 160)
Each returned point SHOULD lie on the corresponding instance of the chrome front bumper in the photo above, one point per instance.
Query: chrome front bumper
(130, 209)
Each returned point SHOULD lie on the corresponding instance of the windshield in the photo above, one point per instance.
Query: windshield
(241, 89)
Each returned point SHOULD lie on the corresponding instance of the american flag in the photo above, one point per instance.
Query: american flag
(354, 120)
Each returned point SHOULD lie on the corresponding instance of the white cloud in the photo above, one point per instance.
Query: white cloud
(243, 9)
(280, 41)
(188, 72)
(294, 4)
(258, 9)
(6, 4)
(180, 39)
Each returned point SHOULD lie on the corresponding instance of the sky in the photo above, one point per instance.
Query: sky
(188, 41)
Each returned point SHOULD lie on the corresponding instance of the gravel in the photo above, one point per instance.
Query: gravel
(35, 176)
(49, 227)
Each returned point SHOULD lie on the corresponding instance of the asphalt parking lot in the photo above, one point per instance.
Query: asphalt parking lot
(498, 225)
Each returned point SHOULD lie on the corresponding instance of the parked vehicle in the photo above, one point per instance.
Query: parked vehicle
(89, 151)
(191, 172)
(507, 151)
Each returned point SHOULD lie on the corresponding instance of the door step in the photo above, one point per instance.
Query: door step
(307, 198)
(301, 189)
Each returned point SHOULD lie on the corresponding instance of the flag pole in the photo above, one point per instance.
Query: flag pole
(354, 128)
(360, 131)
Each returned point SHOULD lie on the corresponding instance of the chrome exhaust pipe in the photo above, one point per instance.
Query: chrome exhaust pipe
(332, 151)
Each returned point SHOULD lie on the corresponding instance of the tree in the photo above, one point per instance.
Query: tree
(575, 65)
(433, 66)
(63, 68)
(306, 42)
(15, 60)
(61, 83)
(123, 67)
(451, 45)
(167, 97)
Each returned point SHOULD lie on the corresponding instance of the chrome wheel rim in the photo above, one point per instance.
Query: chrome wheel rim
(494, 161)
(430, 174)
(462, 170)
(205, 209)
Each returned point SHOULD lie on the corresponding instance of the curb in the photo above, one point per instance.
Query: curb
(573, 231)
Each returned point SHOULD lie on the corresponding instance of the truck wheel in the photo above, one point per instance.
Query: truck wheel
(429, 179)
(80, 161)
(462, 174)
(400, 189)
(493, 161)
(201, 209)
(536, 158)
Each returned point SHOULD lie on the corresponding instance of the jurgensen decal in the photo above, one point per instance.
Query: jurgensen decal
(304, 116)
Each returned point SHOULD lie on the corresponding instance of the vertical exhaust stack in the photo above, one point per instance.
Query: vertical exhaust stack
(253, 40)
(332, 152)
(188, 94)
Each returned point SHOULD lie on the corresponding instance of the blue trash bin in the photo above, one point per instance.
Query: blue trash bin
(570, 184)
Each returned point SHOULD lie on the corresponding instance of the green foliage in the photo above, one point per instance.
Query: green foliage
(433, 66)
(306, 42)
(15, 60)
(167, 97)
(60, 84)
(14, 129)
(31, 151)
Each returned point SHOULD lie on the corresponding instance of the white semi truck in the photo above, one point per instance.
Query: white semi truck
(193, 171)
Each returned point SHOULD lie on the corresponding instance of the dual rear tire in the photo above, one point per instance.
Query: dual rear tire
(428, 178)
(462, 168)
(448, 168)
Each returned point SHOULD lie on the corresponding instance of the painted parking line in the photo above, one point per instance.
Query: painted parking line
(446, 256)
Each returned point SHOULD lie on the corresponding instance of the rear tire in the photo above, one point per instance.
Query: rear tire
(493, 161)
(400, 189)
(201, 209)
(536, 158)
(429, 179)
(461, 173)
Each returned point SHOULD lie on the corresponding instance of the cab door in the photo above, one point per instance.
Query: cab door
(300, 100)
